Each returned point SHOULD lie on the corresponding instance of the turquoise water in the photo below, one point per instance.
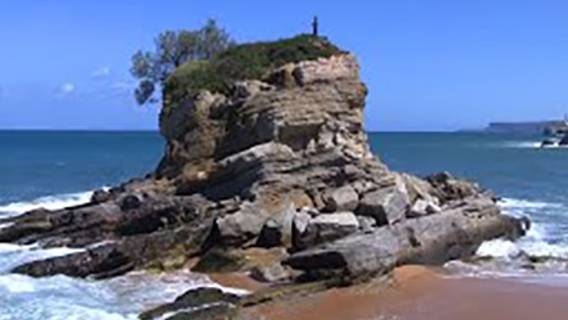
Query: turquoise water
(55, 169)
(41, 163)
(532, 181)
(511, 165)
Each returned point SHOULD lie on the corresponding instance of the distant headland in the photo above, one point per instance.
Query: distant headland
(546, 127)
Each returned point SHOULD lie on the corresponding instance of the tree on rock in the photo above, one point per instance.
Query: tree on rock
(174, 48)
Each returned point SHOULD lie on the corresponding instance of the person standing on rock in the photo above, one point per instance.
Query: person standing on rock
(315, 26)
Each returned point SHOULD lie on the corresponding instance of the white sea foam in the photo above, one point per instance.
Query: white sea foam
(62, 297)
(529, 144)
(536, 241)
(516, 204)
(12, 255)
(16, 283)
(522, 144)
(544, 249)
(49, 202)
(499, 248)
(509, 259)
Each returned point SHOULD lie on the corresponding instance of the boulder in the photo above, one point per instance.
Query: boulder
(419, 189)
(241, 226)
(271, 234)
(448, 188)
(341, 199)
(100, 196)
(198, 298)
(386, 206)
(214, 311)
(220, 260)
(272, 274)
(366, 224)
(299, 226)
(421, 208)
(130, 202)
(326, 227)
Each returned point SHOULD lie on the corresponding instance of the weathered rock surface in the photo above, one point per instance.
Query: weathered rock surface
(434, 239)
(274, 273)
(278, 163)
(386, 206)
(324, 228)
(341, 199)
(197, 299)
(421, 208)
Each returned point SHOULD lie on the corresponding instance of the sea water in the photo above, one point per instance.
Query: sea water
(531, 181)
(54, 169)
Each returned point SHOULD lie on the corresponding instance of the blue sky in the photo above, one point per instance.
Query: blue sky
(429, 64)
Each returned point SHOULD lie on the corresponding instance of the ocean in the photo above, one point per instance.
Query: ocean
(55, 169)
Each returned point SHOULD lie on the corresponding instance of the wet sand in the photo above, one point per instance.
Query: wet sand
(418, 293)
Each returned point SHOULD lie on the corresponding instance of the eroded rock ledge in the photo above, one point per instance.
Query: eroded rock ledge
(281, 164)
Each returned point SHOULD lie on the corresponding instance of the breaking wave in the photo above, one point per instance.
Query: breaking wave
(540, 252)
(61, 297)
(49, 202)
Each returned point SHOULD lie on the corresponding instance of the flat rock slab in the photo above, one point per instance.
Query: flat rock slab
(431, 239)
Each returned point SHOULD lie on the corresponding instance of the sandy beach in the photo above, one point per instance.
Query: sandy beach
(419, 293)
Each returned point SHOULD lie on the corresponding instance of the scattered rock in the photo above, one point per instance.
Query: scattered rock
(449, 188)
(204, 297)
(431, 239)
(215, 311)
(327, 227)
(341, 199)
(100, 196)
(130, 202)
(422, 208)
(241, 226)
(220, 260)
(270, 235)
(271, 274)
(419, 189)
(386, 206)
(366, 224)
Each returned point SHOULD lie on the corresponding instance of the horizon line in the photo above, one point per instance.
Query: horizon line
(157, 130)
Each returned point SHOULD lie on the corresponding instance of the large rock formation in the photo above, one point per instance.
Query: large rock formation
(281, 161)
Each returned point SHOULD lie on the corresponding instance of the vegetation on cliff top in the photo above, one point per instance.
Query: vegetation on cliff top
(246, 61)
(173, 48)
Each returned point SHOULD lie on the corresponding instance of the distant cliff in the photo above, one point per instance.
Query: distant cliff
(533, 127)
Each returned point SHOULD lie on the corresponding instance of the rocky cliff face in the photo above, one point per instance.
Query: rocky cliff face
(280, 162)
(282, 141)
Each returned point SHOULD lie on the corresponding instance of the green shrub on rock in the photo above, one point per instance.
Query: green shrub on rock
(246, 61)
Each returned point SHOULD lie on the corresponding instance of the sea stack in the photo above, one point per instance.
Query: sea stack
(275, 163)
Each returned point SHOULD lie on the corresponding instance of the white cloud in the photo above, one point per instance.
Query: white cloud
(102, 72)
(67, 88)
